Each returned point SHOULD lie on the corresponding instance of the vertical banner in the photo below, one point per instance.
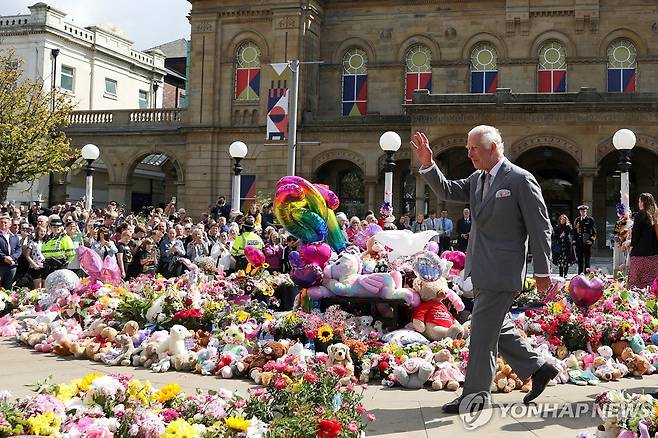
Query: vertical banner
(247, 192)
(277, 102)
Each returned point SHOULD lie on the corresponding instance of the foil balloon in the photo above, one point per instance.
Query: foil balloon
(254, 256)
(585, 292)
(361, 238)
(307, 276)
(433, 247)
(316, 253)
(106, 271)
(458, 260)
(307, 211)
(427, 266)
(62, 278)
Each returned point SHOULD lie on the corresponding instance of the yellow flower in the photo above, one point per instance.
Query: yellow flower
(268, 317)
(242, 316)
(325, 333)
(296, 386)
(47, 424)
(237, 423)
(104, 300)
(167, 392)
(86, 380)
(558, 307)
(625, 327)
(179, 428)
(269, 291)
(66, 391)
(292, 317)
(655, 409)
(140, 391)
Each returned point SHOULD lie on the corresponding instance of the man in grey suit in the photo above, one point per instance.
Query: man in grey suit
(508, 212)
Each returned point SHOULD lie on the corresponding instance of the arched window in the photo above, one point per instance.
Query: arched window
(247, 72)
(484, 69)
(418, 66)
(622, 66)
(355, 83)
(552, 68)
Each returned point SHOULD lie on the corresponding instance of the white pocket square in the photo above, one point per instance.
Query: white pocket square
(503, 193)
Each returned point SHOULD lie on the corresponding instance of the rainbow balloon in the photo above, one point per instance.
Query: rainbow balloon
(307, 211)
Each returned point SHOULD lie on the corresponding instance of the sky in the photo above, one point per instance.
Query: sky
(147, 22)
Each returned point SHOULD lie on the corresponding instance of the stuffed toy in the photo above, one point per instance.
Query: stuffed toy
(130, 328)
(375, 252)
(37, 333)
(105, 343)
(365, 326)
(122, 354)
(562, 376)
(207, 357)
(232, 354)
(171, 346)
(386, 215)
(301, 353)
(377, 365)
(94, 329)
(637, 344)
(577, 375)
(432, 318)
(343, 278)
(255, 362)
(339, 354)
(504, 379)
(413, 373)
(184, 362)
(447, 374)
(62, 341)
(603, 365)
(637, 364)
(618, 347)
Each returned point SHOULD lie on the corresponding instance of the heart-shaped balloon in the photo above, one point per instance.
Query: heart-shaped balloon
(432, 246)
(254, 256)
(307, 276)
(316, 253)
(585, 292)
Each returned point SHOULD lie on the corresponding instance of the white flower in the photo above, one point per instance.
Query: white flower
(107, 386)
(257, 428)
(5, 396)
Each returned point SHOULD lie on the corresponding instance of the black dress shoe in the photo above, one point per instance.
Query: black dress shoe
(452, 407)
(540, 379)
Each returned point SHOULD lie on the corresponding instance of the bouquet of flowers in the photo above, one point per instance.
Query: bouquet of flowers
(636, 413)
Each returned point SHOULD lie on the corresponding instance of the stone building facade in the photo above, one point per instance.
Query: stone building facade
(557, 77)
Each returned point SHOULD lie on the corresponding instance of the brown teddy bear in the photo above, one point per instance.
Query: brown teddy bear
(506, 380)
(637, 364)
(254, 363)
(105, 343)
(618, 347)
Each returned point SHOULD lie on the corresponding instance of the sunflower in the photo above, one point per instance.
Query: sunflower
(167, 392)
(325, 333)
(237, 423)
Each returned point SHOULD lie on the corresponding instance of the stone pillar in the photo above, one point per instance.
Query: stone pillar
(587, 175)
(119, 192)
(371, 191)
(180, 194)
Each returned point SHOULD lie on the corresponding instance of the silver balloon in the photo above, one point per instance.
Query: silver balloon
(62, 278)
(427, 266)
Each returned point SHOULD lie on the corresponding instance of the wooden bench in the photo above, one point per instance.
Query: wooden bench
(356, 305)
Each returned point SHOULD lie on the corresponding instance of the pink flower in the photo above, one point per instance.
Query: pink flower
(364, 386)
(239, 404)
(371, 417)
(99, 432)
(310, 376)
(352, 427)
(280, 383)
(319, 410)
(322, 359)
(360, 409)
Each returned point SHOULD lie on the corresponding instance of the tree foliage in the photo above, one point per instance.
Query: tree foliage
(32, 141)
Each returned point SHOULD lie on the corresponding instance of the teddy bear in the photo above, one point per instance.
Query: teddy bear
(233, 352)
(432, 317)
(618, 347)
(254, 363)
(171, 346)
(446, 374)
(413, 373)
(122, 353)
(339, 354)
(105, 343)
(184, 362)
(375, 251)
(207, 357)
(62, 341)
(37, 334)
(343, 278)
(130, 328)
(576, 373)
(637, 364)
(604, 365)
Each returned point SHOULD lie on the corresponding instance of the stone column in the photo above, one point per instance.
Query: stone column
(119, 192)
(371, 190)
(587, 175)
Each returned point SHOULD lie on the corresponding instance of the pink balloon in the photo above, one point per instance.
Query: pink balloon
(316, 253)
(585, 292)
(457, 258)
(432, 246)
(254, 256)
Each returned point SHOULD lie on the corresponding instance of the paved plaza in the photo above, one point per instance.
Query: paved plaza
(400, 413)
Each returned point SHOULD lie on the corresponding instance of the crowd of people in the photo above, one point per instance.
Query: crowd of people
(38, 241)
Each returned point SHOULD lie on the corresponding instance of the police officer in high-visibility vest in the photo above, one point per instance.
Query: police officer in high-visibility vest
(58, 249)
(247, 238)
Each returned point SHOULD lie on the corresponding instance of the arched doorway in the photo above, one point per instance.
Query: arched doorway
(557, 173)
(643, 177)
(346, 180)
(153, 180)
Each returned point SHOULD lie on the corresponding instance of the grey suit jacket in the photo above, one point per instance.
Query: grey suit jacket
(512, 214)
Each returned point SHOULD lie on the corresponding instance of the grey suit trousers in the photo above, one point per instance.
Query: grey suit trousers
(492, 329)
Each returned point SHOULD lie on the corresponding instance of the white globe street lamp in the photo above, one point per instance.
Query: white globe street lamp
(238, 150)
(624, 141)
(390, 143)
(90, 153)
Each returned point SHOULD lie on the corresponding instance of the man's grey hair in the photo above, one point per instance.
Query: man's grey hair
(488, 135)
